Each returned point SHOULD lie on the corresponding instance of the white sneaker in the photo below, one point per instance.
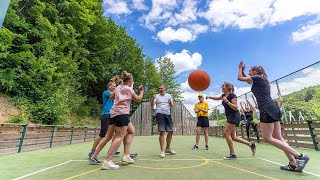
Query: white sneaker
(170, 151)
(127, 159)
(162, 155)
(109, 165)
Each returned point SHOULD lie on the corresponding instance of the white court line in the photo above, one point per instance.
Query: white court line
(220, 159)
(161, 160)
(41, 170)
(282, 165)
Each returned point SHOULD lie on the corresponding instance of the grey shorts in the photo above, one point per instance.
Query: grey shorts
(164, 122)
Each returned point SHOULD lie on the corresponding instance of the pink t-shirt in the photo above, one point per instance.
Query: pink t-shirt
(123, 97)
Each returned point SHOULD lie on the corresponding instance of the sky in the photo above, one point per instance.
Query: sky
(215, 35)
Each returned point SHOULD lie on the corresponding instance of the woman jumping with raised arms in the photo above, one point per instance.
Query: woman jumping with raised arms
(270, 116)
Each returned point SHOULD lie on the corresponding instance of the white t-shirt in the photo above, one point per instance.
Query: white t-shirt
(162, 104)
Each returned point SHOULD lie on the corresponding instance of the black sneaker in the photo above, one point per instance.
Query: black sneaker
(195, 147)
(288, 167)
(253, 148)
(230, 156)
(133, 155)
(207, 147)
(94, 161)
(302, 161)
(91, 153)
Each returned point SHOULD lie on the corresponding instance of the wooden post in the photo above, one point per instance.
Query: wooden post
(315, 144)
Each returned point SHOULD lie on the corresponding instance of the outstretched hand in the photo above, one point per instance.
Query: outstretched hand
(242, 65)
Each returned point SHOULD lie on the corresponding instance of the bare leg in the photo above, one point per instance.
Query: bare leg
(105, 140)
(169, 139)
(227, 134)
(267, 130)
(119, 136)
(206, 135)
(239, 140)
(277, 135)
(198, 131)
(128, 138)
(161, 140)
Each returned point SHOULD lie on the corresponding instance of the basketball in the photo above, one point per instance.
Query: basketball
(199, 80)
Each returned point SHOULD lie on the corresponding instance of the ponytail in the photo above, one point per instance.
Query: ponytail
(260, 71)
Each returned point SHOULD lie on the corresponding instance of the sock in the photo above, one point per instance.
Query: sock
(109, 161)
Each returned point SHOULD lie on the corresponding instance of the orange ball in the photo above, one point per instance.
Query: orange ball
(199, 80)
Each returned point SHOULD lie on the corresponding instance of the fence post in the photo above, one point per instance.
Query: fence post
(141, 119)
(71, 135)
(22, 137)
(52, 135)
(283, 108)
(85, 134)
(181, 118)
(312, 135)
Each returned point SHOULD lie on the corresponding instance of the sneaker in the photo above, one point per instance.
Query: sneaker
(133, 155)
(288, 167)
(127, 159)
(253, 148)
(94, 161)
(207, 147)
(195, 147)
(230, 156)
(109, 165)
(170, 151)
(117, 153)
(162, 155)
(302, 160)
(91, 153)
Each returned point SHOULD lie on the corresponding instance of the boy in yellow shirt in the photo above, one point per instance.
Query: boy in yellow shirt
(201, 109)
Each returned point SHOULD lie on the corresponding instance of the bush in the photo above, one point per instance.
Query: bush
(20, 119)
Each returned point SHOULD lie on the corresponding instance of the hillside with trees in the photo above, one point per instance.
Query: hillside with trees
(57, 57)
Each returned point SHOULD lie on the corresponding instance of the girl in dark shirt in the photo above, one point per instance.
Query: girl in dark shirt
(249, 118)
(233, 119)
(270, 115)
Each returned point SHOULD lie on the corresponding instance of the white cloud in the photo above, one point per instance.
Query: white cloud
(117, 7)
(188, 13)
(160, 11)
(139, 5)
(238, 13)
(286, 10)
(187, 34)
(185, 61)
(168, 35)
(309, 32)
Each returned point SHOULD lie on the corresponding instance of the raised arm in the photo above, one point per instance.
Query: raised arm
(255, 102)
(153, 101)
(250, 105)
(242, 76)
(242, 107)
(138, 98)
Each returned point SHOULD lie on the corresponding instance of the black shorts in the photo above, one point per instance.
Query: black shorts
(234, 118)
(164, 122)
(203, 122)
(121, 120)
(104, 121)
(266, 118)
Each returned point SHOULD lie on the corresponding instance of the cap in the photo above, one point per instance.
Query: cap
(201, 95)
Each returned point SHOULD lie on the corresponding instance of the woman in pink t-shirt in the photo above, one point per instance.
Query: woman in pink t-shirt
(123, 94)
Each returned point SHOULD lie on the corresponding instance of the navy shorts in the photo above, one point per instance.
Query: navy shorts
(266, 118)
(104, 120)
(203, 122)
(164, 122)
(120, 120)
(234, 118)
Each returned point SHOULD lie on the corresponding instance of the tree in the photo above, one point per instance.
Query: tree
(167, 73)
(216, 115)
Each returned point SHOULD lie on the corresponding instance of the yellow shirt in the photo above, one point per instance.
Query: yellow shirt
(203, 105)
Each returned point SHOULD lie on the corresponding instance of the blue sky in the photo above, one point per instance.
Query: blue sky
(214, 35)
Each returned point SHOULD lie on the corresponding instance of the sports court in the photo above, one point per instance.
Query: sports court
(70, 162)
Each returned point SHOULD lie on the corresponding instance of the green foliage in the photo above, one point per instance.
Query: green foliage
(57, 57)
(20, 119)
(222, 122)
(167, 73)
(216, 115)
(306, 101)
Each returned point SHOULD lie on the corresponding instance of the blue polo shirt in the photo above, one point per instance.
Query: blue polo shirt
(107, 102)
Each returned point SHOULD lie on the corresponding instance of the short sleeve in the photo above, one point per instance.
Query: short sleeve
(195, 106)
(255, 79)
(131, 91)
(232, 96)
(206, 106)
(106, 93)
